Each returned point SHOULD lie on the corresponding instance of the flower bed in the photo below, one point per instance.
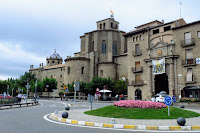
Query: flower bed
(139, 104)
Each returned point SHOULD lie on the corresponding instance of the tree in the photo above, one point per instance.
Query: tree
(51, 82)
(120, 87)
(24, 79)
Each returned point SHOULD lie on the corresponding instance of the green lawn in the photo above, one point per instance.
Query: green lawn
(138, 113)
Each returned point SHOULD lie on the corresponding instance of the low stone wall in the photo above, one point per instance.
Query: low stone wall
(188, 104)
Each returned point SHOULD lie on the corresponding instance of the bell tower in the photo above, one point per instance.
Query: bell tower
(54, 59)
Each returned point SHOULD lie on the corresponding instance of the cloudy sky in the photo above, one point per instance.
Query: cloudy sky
(30, 30)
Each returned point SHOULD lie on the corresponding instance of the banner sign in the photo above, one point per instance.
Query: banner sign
(158, 66)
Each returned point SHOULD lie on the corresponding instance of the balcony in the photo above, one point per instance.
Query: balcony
(190, 81)
(137, 69)
(138, 82)
(137, 52)
(189, 62)
(187, 42)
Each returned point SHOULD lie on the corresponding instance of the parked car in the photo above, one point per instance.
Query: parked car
(160, 97)
(24, 96)
(2, 96)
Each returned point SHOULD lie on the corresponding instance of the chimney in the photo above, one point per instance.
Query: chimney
(163, 21)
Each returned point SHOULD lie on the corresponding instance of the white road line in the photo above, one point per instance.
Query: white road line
(45, 117)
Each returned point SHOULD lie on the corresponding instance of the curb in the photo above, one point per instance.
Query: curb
(121, 126)
(76, 105)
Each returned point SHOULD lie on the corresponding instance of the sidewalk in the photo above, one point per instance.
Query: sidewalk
(78, 117)
(23, 104)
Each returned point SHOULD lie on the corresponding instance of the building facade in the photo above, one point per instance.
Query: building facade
(110, 52)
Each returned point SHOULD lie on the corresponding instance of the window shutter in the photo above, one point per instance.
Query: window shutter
(189, 75)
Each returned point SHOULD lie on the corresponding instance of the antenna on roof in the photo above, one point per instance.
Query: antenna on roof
(180, 9)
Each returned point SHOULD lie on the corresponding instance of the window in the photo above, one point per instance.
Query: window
(187, 38)
(92, 47)
(137, 50)
(82, 70)
(198, 34)
(60, 76)
(189, 74)
(52, 61)
(137, 38)
(156, 31)
(46, 76)
(58, 62)
(116, 26)
(104, 25)
(137, 79)
(61, 69)
(100, 26)
(111, 24)
(101, 73)
(68, 70)
(48, 62)
(141, 37)
(114, 48)
(133, 39)
(103, 47)
(51, 76)
(167, 28)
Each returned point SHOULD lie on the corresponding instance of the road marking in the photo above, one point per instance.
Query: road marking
(131, 130)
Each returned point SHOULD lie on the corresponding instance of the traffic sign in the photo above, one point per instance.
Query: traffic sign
(90, 99)
(97, 89)
(174, 99)
(168, 100)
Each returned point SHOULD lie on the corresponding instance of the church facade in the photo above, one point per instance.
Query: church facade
(110, 52)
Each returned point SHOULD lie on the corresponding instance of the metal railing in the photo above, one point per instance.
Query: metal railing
(138, 82)
(189, 61)
(137, 69)
(188, 42)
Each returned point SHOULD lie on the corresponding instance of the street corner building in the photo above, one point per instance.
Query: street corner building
(154, 57)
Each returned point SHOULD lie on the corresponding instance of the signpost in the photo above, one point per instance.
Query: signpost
(90, 100)
(97, 92)
(174, 100)
(35, 90)
(168, 102)
(7, 89)
(27, 87)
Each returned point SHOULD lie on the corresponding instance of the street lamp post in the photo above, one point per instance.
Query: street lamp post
(7, 89)
(35, 90)
(47, 89)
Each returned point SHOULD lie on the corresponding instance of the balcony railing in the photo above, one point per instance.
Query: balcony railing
(189, 62)
(138, 82)
(188, 42)
(190, 81)
(137, 52)
(137, 69)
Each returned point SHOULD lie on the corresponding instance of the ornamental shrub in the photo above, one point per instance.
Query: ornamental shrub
(139, 104)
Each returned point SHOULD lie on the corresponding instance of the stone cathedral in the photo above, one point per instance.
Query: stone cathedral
(110, 52)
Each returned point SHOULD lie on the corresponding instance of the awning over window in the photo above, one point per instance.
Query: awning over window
(191, 87)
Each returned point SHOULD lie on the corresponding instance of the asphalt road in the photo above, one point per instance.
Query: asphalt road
(31, 120)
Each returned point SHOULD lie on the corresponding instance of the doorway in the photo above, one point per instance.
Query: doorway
(138, 94)
(161, 83)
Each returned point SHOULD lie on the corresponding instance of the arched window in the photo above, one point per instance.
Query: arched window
(111, 24)
(92, 47)
(104, 25)
(52, 61)
(141, 37)
(100, 26)
(101, 73)
(133, 39)
(137, 38)
(114, 48)
(68, 70)
(116, 26)
(58, 62)
(82, 70)
(103, 47)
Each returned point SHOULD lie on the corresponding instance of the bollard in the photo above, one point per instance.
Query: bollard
(56, 111)
(112, 121)
(181, 121)
(67, 108)
(64, 115)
